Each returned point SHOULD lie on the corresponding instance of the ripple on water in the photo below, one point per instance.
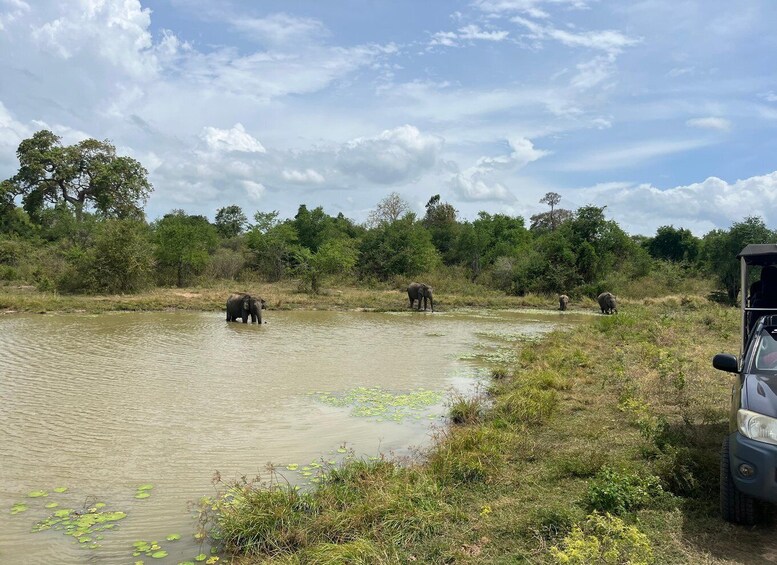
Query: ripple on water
(105, 403)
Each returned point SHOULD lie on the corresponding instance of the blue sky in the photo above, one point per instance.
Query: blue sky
(664, 111)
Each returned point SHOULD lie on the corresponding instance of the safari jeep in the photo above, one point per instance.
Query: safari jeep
(748, 458)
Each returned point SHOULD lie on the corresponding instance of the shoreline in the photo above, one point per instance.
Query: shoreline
(279, 296)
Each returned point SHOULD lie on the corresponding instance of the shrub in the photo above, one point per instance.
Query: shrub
(617, 493)
(225, 264)
(604, 539)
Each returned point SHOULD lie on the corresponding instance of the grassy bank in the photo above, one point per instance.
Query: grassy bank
(279, 296)
(599, 446)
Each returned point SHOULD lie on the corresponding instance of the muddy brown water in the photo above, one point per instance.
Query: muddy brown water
(102, 404)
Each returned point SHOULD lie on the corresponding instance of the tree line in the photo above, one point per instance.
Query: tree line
(72, 220)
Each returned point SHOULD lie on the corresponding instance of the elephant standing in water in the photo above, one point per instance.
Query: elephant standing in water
(241, 305)
(420, 291)
(563, 301)
(607, 303)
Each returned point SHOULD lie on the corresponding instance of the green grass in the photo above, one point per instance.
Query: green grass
(621, 414)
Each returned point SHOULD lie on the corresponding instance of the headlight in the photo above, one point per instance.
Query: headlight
(757, 426)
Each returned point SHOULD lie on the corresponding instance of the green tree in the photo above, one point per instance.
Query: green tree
(672, 244)
(402, 247)
(123, 257)
(440, 220)
(274, 245)
(313, 227)
(230, 221)
(337, 256)
(184, 243)
(719, 250)
(551, 199)
(86, 175)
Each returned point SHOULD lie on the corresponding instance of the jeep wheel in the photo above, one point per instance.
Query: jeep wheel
(735, 506)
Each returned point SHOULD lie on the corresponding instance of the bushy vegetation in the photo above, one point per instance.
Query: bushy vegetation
(62, 212)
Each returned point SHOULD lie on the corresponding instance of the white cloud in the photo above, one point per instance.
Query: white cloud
(117, 32)
(609, 158)
(700, 206)
(471, 188)
(254, 190)
(609, 41)
(711, 122)
(532, 8)
(769, 96)
(308, 176)
(281, 29)
(233, 139)
(593, 72)
(11, 10)
(396, 155)
(467, 33)
(523, 152)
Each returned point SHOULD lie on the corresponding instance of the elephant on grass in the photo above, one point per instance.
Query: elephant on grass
(607, 303)
(563, 302)
(242, 305)
(420, 291)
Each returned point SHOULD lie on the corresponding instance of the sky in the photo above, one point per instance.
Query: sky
(664, 111)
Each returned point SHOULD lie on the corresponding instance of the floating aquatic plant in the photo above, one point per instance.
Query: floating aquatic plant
(60, 489)
(142, 491)
(83, 526)
(375, 402)
(173, 537)
(37, 494)
(18, 507)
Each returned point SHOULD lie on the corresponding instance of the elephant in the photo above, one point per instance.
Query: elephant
(607, 303)
(420, 291)
(563, 301)
(242, 305)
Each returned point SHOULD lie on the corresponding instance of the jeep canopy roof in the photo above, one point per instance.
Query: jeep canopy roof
(759, 254)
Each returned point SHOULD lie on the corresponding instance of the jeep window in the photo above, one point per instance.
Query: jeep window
(766, 354)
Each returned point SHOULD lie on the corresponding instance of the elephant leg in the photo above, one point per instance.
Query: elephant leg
(253, 318)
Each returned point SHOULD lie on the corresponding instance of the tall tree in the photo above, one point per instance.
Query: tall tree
(86, 175)
(551, 199)
(440, 220)
(674, 244)
(388, 210)
(230, 221)
(720, 249)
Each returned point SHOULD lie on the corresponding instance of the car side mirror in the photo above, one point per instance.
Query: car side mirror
(726, 362)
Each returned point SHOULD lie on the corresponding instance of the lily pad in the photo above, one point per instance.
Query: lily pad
(145, 487)
(292, 466)
(60, 489)
(18, 507)
(52, 505)
(142, 494)
(173, 537)
(37, 494)
(159, 554)
(201, 557)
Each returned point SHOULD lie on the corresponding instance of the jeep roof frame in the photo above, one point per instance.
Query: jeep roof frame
(753, 255)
